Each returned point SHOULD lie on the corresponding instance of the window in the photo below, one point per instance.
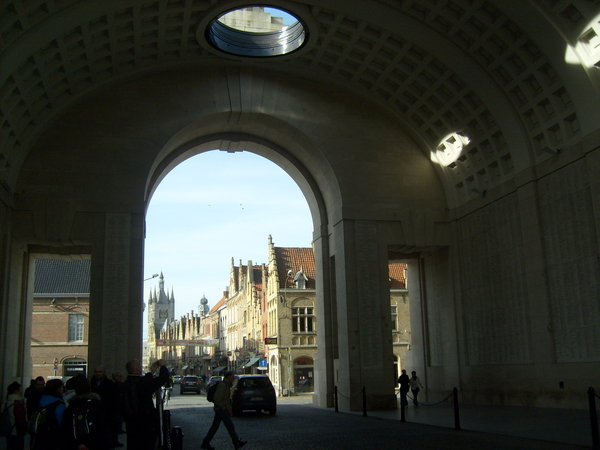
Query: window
(75, 327)
(394, 318)
(303, 320)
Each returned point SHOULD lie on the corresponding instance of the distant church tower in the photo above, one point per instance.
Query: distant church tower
(161, 307)
(203, 307)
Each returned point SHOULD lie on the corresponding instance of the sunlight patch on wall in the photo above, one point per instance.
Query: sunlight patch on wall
(449, 149)
(587, 49)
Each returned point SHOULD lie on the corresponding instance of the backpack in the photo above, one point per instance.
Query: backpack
(210, 394)
(43, 420)
(78, 419)
(6, 426)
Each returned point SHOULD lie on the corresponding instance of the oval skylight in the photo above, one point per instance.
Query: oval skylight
(258, 31)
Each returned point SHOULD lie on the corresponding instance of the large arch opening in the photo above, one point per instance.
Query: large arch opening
(228, 205)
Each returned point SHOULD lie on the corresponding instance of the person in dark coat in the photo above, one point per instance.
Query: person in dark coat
(142, 418)
(109, 394)
(15, 406)
(90, 432)
(52, 399)
(34, 395)
(404, 382)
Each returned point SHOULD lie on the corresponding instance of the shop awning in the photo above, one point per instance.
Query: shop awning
(251, 362)
(219, 369)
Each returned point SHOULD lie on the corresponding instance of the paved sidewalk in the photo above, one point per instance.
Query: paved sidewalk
(301, 426)
(548, 424)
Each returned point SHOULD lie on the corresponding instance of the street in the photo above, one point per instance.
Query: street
(299, 425)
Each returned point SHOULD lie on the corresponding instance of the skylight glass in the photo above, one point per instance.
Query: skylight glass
(257, 31)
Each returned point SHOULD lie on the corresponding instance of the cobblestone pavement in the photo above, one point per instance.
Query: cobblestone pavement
(300, 426)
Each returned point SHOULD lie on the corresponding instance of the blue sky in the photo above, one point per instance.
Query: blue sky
(211, 208)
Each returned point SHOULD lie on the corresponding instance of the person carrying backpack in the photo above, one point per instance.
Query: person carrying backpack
(13, 418)
(47, 417)
(221, 397)
(83, 421)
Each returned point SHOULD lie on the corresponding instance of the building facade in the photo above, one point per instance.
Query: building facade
(60, 318)
(266, 321)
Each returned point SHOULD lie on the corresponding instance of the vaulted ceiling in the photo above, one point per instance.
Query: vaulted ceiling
(517, 78)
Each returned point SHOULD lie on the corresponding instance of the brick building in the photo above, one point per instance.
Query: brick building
(60, 322)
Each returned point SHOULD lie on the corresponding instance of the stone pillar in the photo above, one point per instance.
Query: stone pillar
(415, 357)
(323, 379)
(116, 293)
(15, 316)
(364, 345)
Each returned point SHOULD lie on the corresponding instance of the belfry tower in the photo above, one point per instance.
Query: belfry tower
(161, 306)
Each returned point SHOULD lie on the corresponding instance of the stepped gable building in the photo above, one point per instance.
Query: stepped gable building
(267, 321)
(245, 307)
(213, 327)
(60, 317)
(292, 318)
(183, 359)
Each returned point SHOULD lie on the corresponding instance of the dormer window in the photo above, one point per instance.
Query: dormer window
(300, 280)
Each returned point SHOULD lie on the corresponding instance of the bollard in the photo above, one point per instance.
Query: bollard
(594, 419)
(402, 412)
(166, 429)
(456, 415)
(364, 401)
(335, 398)
(177, 438)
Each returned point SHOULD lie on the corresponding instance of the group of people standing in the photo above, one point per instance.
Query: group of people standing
(411, 383)
(86, 414)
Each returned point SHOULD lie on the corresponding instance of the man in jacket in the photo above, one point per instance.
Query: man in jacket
(223, 413)
(404, 383)
(108, 392)
(142, 417)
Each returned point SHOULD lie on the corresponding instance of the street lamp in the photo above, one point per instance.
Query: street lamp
(237, 355)
(154, 275)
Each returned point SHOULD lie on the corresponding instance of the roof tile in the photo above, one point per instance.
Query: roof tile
(55, 276)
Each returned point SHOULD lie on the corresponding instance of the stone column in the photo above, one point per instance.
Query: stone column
(364, 345)
(324, 383)
(116, 293)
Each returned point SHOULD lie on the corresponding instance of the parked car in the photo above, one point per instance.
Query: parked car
(212, 381)
(253, 392)
(190, 383)
(177, 379)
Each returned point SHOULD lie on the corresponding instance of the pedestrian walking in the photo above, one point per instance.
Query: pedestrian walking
(404, 383)
(415, 386)
(223, 413)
